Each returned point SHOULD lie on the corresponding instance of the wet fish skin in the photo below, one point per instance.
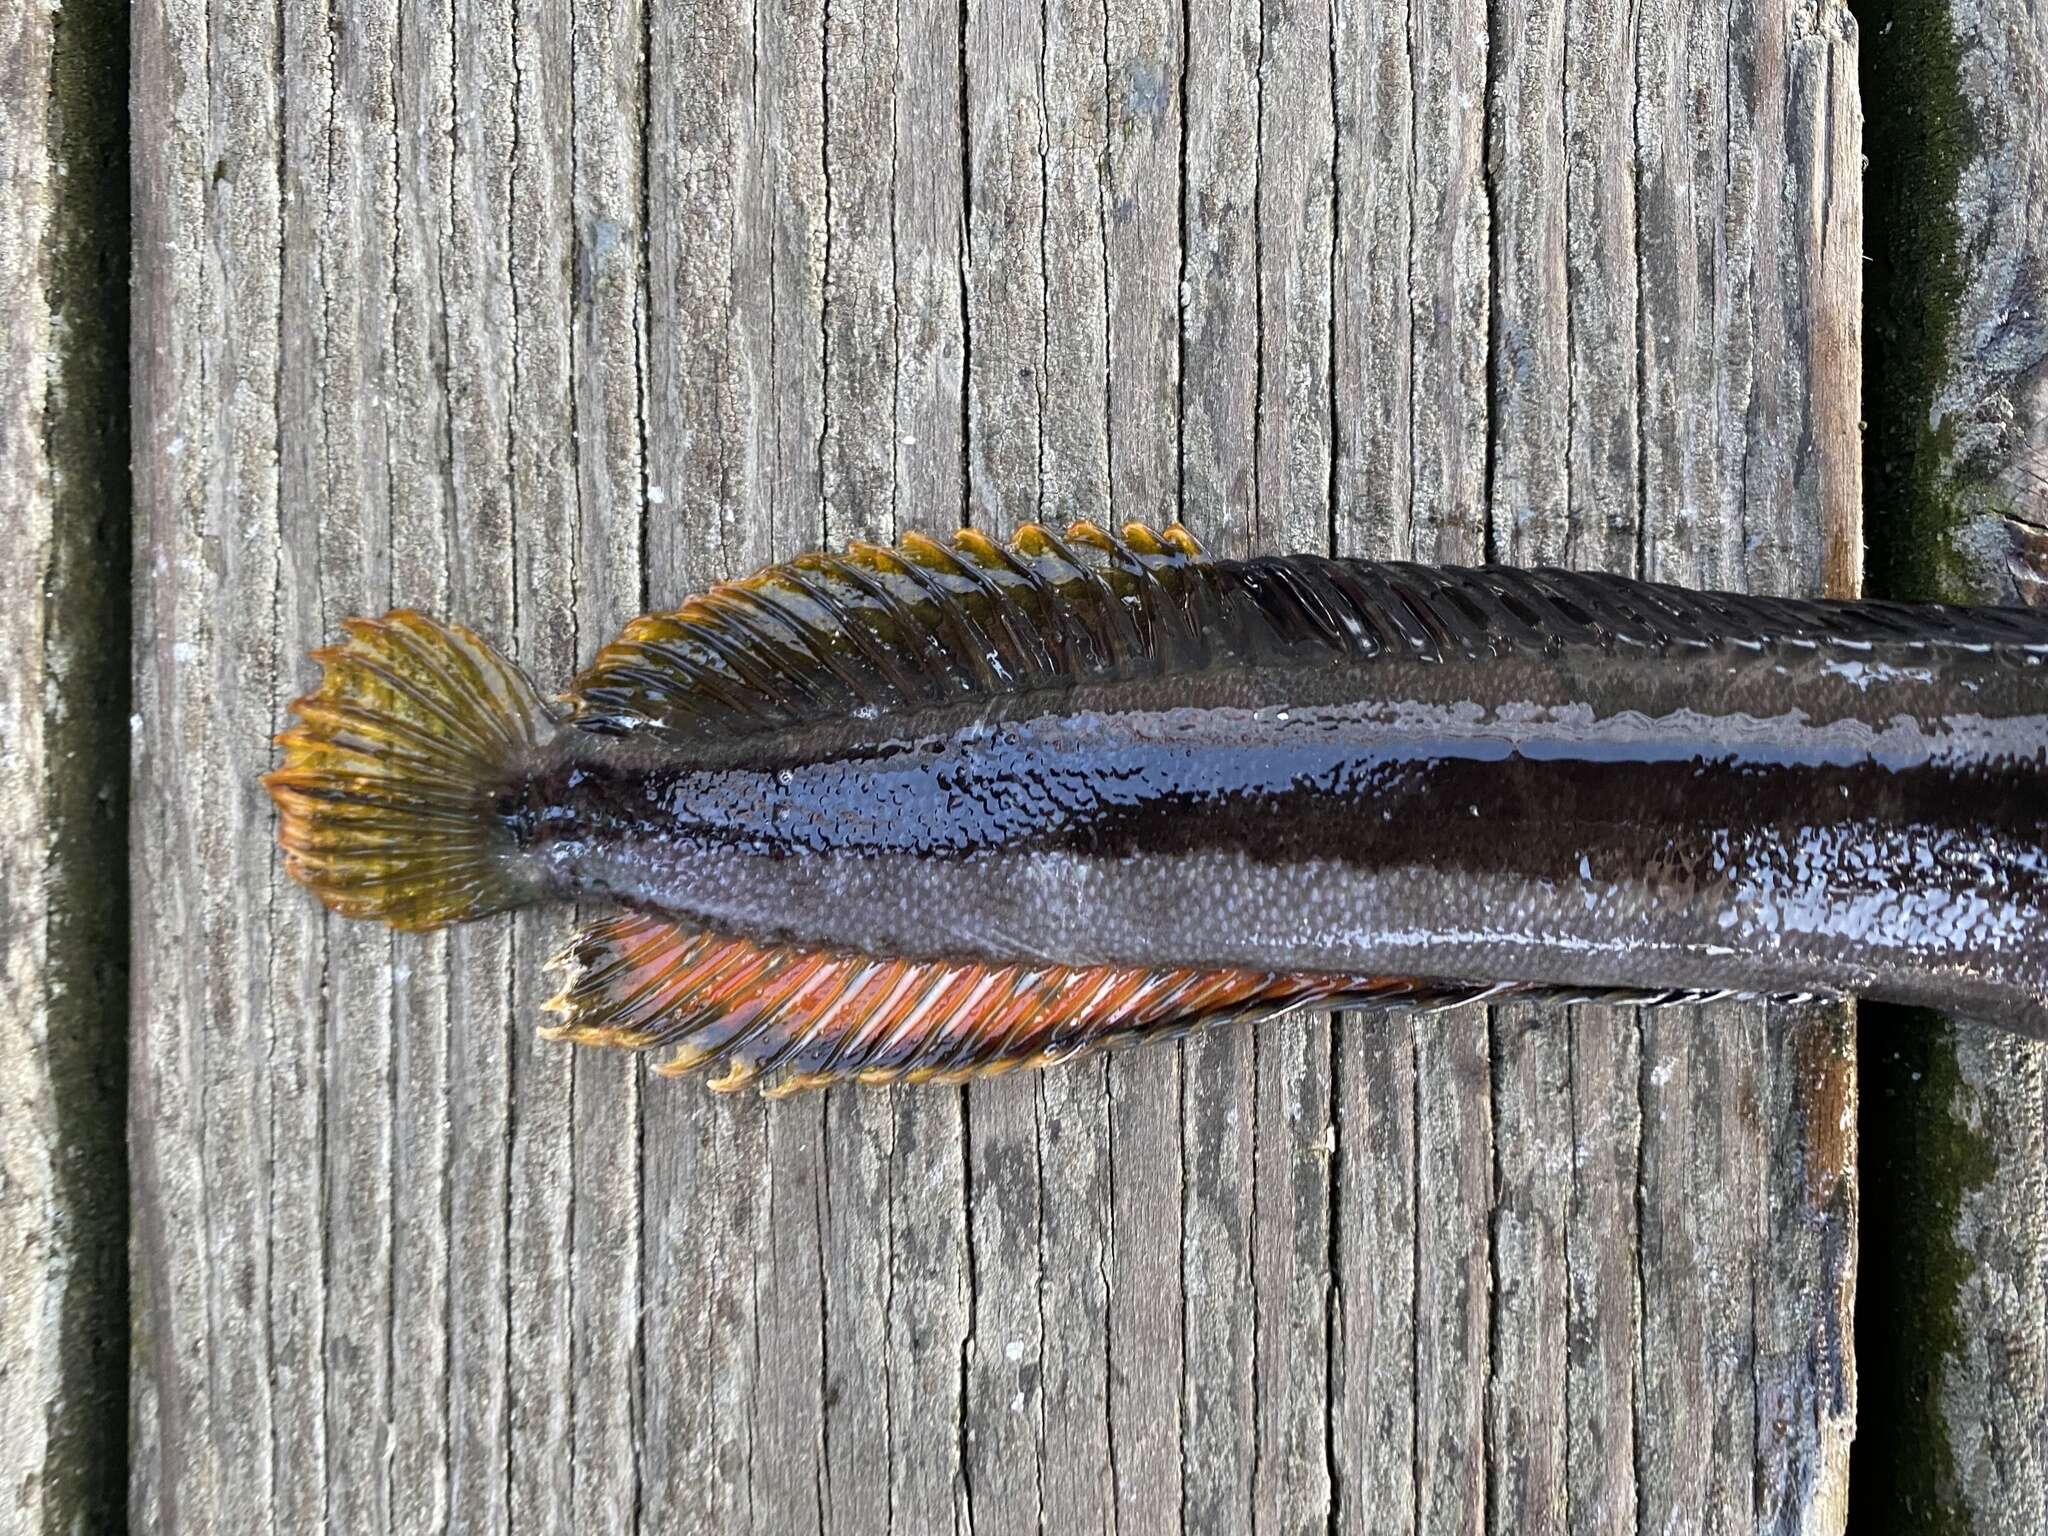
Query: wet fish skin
(1404, 831)
(1112, 756)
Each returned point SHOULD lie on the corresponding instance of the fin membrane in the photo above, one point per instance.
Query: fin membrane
(387, 795)
(789, 1019)
(876, 630)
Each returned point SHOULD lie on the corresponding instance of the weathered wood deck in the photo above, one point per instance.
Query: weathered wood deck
(539, 315)
(63, 752)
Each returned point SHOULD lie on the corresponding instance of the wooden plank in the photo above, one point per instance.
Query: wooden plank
(610, 81)
(63, 716)
(1602, 1047)
(212, 1359)
(334, 514)
(740, 1402)
(1220, 452)
(1449, 427)
(1992, 398)
(476, 300)
(28, 1146)
(1565, 1317)
(1764, 284)
(542, 554)
(1540, 331)
(863, 316)
(1293, 1125)
(1373, 1434)
(924, 1143)
(487, 317)
(1994, 1391)
(1014, 372)
(419, 1439)
(1039, 1145)
(1060, 1157)
(1142, 1159)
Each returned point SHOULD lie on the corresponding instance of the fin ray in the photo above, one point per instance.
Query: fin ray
(387, 791)
(878, 629)
(786, 1019)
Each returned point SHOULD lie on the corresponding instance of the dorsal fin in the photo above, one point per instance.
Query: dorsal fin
(789, 1018)
(876, 630)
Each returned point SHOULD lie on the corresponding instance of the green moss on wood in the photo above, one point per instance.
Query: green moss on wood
(86, 427)
(1919, 1160)
(1918, 136)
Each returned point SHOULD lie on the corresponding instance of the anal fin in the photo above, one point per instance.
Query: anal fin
(788, 1019)
(785, 1019)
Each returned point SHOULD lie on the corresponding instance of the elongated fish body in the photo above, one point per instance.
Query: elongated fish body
(933, 811)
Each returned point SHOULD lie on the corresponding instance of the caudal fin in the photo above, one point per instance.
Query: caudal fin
(391, 786)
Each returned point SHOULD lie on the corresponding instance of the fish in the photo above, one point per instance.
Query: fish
(948, 809)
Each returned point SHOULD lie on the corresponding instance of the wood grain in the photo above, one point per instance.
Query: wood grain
(1991, 401)
(542, 316)
(63, 769)
(30, 1367)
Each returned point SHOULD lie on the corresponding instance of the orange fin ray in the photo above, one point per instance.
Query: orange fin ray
(785, 1018)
